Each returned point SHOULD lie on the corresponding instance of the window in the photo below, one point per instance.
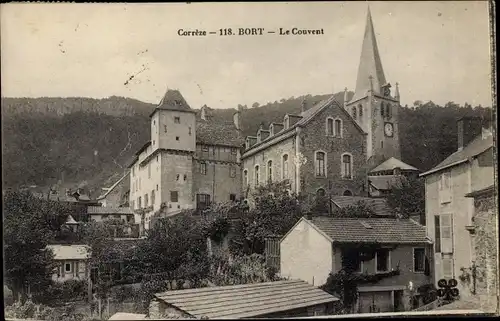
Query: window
(418, 259)
(132, 204)
(204, 148)
(153, 197)
(382, 107)
(67, 267)
(446, 233)
(177, 177)
(232, 171)
(232, 197)
(202, 201)
(329, 126)
(320, 164)
(157, 159)
(285, 166)
(338, 127)
(388, 111)
(256, 175)
(203, 168)
(382, 258)
(245, 177)
(156, 186)
(154, 122)
(149, 170)
(153, 142)
(437, 234)
(185, 177)
(346, 166)
(270, 171)
(447, 267)
(177, 138)
(146, 200)
(139, 204)
(177, 120)
(189, 131)
(233, 151)
(360, 108)
(347, 193)
(320, 192)
(354, 113)
(174, 196)
(351, 260)
(445, 187)
(133, 171)
(165, 128)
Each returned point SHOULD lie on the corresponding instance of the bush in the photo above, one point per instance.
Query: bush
(56, 293)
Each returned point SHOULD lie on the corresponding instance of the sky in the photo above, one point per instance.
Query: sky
(437, 51)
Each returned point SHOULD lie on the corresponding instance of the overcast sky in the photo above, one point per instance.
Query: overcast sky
(437, 51)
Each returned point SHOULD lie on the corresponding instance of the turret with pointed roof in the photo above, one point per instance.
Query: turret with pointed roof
(173, 100)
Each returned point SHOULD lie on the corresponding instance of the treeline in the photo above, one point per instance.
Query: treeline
(92, 139)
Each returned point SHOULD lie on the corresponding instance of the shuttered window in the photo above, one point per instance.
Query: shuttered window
(447, 267)
(446, 233)
(437, 234)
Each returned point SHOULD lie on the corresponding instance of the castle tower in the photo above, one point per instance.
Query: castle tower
(372, 105)
(173, 142)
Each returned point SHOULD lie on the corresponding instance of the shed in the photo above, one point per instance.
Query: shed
(287, 298)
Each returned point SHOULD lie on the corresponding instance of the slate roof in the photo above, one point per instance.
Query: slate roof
(70, 252)
(173, 100)
(384, 182)
(477, 146)
(108, 210)
(391, 164)
(371, 230)
(218, 132)
(378, 205)
(247, 300)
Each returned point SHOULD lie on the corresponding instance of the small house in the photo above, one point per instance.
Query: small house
(279, 299)
(72, 262)
(398, 248)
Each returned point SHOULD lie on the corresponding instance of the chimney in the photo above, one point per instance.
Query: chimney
(468, 128)
(237, 119)
(396, 95)
(303, 105)
(204, 111)
(345, 97)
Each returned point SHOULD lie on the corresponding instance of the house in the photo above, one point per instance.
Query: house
(132, 222)
(383, 177)
(329, 147)
(485, 248)
(72, 262)
(279, 299)
(318, 246)
(190, 161)
(114, 196)
(449, 212)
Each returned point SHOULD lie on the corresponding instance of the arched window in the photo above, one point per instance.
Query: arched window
(285, 167)
(329, 126)
(382, 107)
(257, 175)
(320, 164)
(320, 192)
(270, 171)
(245, 177)
(354, 112)
(338, 127)
(388, 111)
(346, 166)
(360, 108)
(347, 193)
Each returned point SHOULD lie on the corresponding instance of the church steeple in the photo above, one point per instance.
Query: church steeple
(370, 63)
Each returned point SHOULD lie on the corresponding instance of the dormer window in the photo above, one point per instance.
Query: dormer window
(177, 120)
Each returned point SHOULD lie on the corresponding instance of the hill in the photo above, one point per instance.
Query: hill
(87, 142)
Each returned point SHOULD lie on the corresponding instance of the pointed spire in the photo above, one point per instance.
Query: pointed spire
(370, 63)
(396, 94)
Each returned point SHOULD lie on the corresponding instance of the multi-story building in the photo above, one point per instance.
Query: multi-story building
(449, 212)
(330, 147)
(190, 161)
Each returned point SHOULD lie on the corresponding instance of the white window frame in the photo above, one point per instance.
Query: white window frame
(285, 175)
(413, 260)
(325, 164)
(328, 119)
(335, 127)
(342, 166)
(388, 261)
(269, 171)
(445, 194)
(66, 263)
(256, 175)
(446, 249)
(450, 259)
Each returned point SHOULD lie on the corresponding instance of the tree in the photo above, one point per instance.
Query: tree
(255, 105)
(407, 198)
(27, 232)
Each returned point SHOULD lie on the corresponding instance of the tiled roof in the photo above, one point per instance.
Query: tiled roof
(378, 205)
(477, 146)
(384, 182)
(108, 210)
(391, 164)
(246, 301)
(218, 132)
(371, 230)
(490, 190)
(70, 252)
(173, 100)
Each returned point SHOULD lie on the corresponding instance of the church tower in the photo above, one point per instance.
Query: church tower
(372, 106)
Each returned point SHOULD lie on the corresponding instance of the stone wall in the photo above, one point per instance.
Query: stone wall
(485, 248)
